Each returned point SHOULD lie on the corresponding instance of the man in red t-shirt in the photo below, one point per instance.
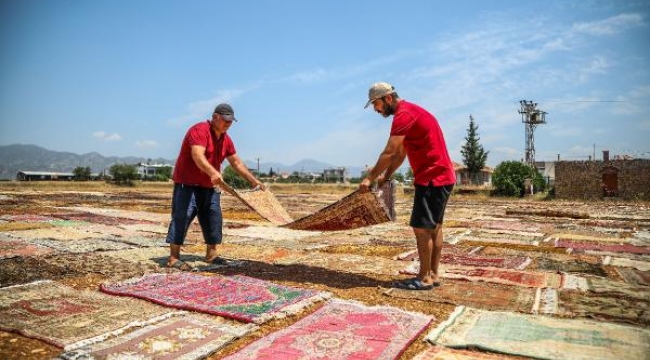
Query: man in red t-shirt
(196, 173)
(416, 134)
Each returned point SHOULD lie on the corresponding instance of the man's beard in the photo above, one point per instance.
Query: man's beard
(387, 110)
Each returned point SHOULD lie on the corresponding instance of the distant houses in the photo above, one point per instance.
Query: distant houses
(44, 176)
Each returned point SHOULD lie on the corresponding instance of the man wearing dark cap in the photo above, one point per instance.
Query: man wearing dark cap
(196, 174)
(416, 134)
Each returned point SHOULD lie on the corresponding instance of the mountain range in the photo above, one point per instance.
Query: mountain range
(20, 157)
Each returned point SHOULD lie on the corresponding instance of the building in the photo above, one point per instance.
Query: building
(622, 179)
(43, 176)
(337, 175)
(463, 177)
(150, 171)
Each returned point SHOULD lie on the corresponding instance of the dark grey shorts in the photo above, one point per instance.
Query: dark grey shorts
(429, 205)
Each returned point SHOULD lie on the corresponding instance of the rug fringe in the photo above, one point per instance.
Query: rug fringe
(293, 309)
(435, 333)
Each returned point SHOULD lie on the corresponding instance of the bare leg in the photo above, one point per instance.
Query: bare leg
(174, 254)
(425, 244)
(437, 239)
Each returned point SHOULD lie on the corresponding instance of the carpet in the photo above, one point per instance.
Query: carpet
(341, 330)
(443, 353)
(510, 262)
(82, 245)
(270, 233)
(346, 263)
(238, 297)
(355, 210)
(69, 318)
(570, 266)
(625, 262)
(605, 306)
(27, 218)
(183, 337)
(607, 286)
(541, 336)
(98, 218)
(634, 277)
(481, 295)
(12, 247)
(625, 248)
(54, 233)
(505, 276)
(264, 203)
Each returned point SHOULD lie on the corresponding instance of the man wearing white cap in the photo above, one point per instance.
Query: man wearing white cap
(416, 134)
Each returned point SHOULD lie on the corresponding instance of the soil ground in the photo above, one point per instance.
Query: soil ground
(606, 219)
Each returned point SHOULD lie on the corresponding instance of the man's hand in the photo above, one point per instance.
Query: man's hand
(216, 179)
(365, 185)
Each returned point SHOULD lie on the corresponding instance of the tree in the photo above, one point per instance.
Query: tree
(474, 156)
(508, 178)
(81, 173)
(409, 174)
(124, 174)
(164, 173)
(232, 178)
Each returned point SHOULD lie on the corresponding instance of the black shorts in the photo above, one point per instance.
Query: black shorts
(429, 205)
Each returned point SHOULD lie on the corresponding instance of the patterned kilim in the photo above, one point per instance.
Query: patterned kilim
(356, 210)
(626, 248)
(28, 218)
(184, 337)
(612, 287)
(634, 277)
(266, 205)
(349, 263)
(96, 263)
(11, 248)
(481, 295)
(570, 265)
(443, 353)
(23, 270)
(82, 245)
(341, 330)
(68, 318)
(238, 297)
(510, 262)
(505, 276)
(596, 239)
(271, 233)
(98, 219)
(607, 307)
(625, 262)
(541, 336)
(54, 233)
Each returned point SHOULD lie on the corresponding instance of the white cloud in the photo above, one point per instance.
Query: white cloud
(107, 137)
(609, 26)
(146, 144)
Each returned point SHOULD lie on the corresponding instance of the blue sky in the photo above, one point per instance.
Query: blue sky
(128, 77)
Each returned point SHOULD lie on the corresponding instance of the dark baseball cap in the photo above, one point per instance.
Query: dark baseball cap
(226, 111)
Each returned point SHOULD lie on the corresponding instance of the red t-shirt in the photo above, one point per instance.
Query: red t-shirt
(216, 150)
(424, 144)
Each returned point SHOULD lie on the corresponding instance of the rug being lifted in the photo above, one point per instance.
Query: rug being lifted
(355, 210)
(341, 330)
(237, 297)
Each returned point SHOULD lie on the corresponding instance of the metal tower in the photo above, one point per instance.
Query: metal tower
(531, 117)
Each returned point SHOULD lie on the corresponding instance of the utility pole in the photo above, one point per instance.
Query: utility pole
(531, 117)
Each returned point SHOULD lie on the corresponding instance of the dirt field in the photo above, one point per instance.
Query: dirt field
(553, 237)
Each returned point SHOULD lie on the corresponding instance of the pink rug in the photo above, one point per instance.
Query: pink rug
(341, 330)
(238, 297)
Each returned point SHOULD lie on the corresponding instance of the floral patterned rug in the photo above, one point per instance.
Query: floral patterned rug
(237, 297)
(69, 318)
(183, 337)
(341, 330)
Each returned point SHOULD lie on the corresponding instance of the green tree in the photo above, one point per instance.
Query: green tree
(124, 174)
(398, 176)
(232, 178)
(164, 173)
(81, 173)
(508, 178)
(474, 156)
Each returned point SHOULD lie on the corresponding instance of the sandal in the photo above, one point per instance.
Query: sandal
(412, 284)
(181, 265)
